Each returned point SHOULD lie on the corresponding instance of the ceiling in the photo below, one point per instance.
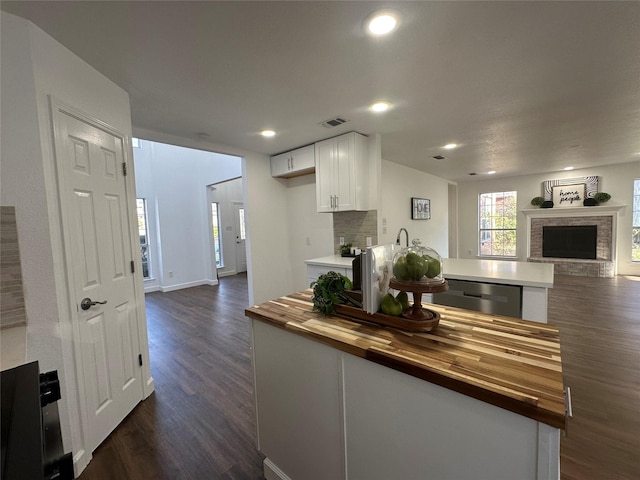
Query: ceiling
(522, 87)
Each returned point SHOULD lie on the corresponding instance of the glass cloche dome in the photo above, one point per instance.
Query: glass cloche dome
(418, 264)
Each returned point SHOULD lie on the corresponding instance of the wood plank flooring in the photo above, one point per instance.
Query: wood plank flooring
(599, 320)
(200, 422)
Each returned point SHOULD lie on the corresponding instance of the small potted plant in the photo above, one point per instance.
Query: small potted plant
(537, 201)
(330, 289)
(601, 197)
(345, 250)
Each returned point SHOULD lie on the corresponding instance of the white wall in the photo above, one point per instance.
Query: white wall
(33, 67)
(174, 182)
(265, 200)
(617, 180)
(398, 185)
(227, 194)
(305, 223)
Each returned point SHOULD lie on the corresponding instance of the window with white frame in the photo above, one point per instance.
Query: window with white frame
(635, 228)
(497, 218)
(143, 234)
(215, 224)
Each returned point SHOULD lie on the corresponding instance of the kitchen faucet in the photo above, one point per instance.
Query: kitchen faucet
(398, 237)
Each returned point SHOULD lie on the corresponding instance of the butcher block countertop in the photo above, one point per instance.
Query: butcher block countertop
(513, 364)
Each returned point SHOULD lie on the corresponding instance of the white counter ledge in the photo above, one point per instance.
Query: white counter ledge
(331, 261)
(505, 272)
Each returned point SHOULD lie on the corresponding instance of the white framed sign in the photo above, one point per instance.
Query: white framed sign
(420, 208)
(568, 195)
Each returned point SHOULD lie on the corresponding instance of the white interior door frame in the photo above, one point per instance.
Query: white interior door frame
(68, 311)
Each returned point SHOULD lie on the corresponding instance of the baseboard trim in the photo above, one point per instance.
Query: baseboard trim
(228, 273)
(272, 472)
(180, 286)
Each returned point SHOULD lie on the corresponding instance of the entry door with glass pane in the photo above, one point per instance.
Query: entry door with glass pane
(241, 252)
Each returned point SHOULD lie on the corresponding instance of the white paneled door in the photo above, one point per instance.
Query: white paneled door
(239, 225)
(96, 230)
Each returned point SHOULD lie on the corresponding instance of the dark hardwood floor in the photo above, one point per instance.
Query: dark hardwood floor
(200, 422)
(599, 320)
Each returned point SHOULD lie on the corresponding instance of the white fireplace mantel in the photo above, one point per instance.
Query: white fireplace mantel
(573, 211)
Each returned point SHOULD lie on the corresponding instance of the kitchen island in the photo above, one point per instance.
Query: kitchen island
(481, 396)
(531, 279)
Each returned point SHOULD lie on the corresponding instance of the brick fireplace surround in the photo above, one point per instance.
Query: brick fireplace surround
(603, 217)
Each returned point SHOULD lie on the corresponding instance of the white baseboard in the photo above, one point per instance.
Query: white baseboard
(227, 273)
(272, 472)
(151, 288)
(180, 286)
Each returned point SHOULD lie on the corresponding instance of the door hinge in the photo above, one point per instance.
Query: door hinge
(133, 267)
(140, 359)
(124, 169)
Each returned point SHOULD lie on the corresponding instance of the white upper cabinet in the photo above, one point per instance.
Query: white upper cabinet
(342, 173)
(296, 162)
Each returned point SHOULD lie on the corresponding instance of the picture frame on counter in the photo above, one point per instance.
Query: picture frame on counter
(420, 208)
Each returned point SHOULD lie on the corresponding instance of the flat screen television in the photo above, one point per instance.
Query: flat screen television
(577, 241)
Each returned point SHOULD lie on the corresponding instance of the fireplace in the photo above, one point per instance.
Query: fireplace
(603, 218)
(569, 241)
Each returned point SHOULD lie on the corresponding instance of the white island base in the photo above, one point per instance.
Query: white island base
(326, 414)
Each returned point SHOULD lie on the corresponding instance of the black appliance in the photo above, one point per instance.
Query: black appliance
(30, 426)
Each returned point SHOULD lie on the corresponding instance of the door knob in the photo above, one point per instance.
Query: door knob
(86, 303)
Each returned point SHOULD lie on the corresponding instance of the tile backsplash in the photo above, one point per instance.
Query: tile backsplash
(12, 310)
(355, 227)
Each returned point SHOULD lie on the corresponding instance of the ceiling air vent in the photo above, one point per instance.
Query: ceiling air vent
(439, 157)
(334, 122)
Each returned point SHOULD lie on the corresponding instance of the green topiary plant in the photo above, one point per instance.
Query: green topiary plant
(537, 201)
(602, 197)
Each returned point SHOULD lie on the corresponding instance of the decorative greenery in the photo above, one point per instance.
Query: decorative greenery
(328, 290)
(345, 249)
(537, 201)
(589, 202)
(602, 197)
(547, 204)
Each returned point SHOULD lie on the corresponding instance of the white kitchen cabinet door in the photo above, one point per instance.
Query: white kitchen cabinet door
(342, 173)
(345, 181)
(314, 271)
(280, 164)
(300, 161)
(325, 172)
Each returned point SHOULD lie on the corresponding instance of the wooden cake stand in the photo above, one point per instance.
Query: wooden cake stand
(416, 312)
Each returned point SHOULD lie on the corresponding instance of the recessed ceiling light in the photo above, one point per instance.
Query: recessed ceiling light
(268, 133)
(567, 168)
(382, 23)
(491, 172)
(380, 107)
(450, 146)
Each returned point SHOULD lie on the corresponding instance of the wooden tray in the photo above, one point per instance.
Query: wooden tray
(426, 325)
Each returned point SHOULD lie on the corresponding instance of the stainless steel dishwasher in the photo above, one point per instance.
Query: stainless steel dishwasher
(482, 297)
